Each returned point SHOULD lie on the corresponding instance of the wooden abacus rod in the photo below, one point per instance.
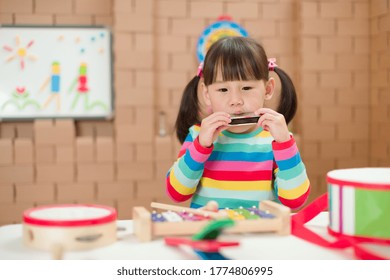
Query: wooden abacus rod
(201, 212)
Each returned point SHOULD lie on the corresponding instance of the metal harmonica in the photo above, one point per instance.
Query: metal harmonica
(243, 119)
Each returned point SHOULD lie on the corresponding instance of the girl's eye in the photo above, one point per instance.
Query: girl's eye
(223, 90)
(247, 88)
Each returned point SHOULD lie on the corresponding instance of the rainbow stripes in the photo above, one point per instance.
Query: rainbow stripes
(238, 171)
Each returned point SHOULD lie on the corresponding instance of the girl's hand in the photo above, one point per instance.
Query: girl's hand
(212, 206)
(212, 126)
(274, 123)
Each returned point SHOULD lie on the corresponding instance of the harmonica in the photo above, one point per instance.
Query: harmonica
(243, 119)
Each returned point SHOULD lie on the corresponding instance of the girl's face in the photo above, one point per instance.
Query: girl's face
(238, 97)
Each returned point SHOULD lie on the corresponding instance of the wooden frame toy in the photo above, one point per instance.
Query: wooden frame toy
(268, 217)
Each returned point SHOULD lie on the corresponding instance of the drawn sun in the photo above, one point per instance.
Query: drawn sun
(19, 52)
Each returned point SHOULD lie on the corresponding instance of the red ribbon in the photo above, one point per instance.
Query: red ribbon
(320, 204)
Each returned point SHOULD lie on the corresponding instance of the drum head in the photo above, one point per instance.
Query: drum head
(361, 177)
(69, 215)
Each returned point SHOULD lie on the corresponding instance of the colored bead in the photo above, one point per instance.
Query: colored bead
(157, 217)
(262, 214)
(172, 216)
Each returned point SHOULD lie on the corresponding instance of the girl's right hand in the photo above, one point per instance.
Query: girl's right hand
(211, 126)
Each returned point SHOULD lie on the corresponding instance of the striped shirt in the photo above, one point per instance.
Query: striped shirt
(238, 170)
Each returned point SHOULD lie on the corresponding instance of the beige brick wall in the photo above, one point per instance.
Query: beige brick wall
(380, 83)
(336, 51)
(334, 85)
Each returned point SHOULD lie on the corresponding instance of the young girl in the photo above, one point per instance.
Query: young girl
(237, 166)
(193, 108)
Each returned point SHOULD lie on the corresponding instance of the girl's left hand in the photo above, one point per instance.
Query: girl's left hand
(273, 122)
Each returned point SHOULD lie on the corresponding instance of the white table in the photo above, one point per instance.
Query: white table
(252, 246)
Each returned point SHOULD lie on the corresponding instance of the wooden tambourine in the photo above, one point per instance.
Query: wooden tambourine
(69, 227)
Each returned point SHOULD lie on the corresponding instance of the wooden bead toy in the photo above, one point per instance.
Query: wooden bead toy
(269, 216)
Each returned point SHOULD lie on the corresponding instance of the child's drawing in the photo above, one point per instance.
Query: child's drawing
(20, 52)
(82, 90)
(49, 71)
(55, 86)
(20, 100)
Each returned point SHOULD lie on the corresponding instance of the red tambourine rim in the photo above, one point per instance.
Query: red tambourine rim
(361, 185)
(69, 223)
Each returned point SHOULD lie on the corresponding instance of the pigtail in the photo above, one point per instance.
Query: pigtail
(288, 96)
(188, 110)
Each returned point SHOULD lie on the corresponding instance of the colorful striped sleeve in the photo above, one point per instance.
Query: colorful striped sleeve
(291, 181)
(183, 177)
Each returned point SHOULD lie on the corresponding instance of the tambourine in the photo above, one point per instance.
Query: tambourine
(69, 227)
(359, 203)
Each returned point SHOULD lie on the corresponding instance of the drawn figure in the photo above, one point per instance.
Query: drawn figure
(20, 99)
(55, 85)
(20, 52)
(82, 90)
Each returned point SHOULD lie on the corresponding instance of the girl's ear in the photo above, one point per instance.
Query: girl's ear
(205, 93)
(269, 88)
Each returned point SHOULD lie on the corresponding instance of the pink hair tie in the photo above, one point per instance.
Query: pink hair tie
(200, 70)
(272, 64)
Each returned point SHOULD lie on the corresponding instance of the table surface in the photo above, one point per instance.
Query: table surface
(265, 246)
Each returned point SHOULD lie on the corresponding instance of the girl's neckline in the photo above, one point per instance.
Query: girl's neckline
(242, 135)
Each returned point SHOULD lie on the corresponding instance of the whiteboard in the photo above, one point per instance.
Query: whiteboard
(55, 72)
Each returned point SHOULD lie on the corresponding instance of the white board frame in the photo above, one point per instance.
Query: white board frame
(55, 72)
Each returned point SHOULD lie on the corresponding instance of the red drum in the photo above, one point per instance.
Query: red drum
(359, 202)
(70, 227)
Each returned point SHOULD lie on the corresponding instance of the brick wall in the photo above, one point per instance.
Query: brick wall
(342, 78)
(380, 83)
(335, 85)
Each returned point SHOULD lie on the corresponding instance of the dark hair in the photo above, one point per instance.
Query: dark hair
(188, 110)
(288, 97)
(238, 58)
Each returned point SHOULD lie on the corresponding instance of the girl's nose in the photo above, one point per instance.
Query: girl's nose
(236, 99)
